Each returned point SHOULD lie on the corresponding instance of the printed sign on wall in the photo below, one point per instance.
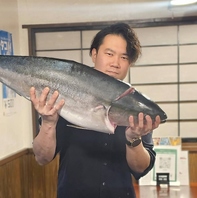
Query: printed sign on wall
(169, 159)
(6, 48)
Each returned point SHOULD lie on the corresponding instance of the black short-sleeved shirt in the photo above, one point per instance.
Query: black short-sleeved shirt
(93, 164)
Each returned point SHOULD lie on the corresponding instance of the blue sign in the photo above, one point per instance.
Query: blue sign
(6, 46)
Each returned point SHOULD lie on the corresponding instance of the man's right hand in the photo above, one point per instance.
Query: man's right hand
(47, 108)
(44, 143)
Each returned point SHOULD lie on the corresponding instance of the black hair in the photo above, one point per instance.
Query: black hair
(124, 30)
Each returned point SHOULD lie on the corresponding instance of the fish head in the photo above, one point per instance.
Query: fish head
(133, 103)
(148, 107)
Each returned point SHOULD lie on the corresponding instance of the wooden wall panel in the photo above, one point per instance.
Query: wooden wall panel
(22, 177)
(2, 182)
(191, 147)
(193, 167)
(10, 182)
(13, 186)
(37, 178)
(42, 179)
(25, 179)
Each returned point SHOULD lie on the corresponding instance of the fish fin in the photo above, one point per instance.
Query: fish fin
(110, 125)
(128, 91)
(98, 108)
(77, 127)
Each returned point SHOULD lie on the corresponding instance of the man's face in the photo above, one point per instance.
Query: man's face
(111, 57)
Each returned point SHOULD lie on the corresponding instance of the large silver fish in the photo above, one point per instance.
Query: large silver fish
(93, 100)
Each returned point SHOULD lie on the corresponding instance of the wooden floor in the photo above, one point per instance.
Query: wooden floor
(172, 192)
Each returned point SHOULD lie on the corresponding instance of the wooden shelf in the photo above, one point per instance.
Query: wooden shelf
(189, 146)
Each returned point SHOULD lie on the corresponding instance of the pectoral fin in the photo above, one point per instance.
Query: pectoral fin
(128, 91)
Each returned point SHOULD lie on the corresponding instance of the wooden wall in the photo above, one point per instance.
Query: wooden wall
(22, 177)
(192, 148)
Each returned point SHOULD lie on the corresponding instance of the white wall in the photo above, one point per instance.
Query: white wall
(15, 129)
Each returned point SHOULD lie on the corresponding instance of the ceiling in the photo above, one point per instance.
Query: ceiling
(100, 10)
(137, 9)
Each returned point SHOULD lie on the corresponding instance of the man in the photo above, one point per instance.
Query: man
(94, 164)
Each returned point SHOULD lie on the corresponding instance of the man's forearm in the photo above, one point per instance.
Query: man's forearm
(138, 158)
(44, 144)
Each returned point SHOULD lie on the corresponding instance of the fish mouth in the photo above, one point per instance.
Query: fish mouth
(163, 118)
(163, 121)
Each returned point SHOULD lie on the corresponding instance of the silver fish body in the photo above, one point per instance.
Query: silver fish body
(93, 100)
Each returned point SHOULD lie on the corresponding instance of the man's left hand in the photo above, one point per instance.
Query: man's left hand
(143, 126)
